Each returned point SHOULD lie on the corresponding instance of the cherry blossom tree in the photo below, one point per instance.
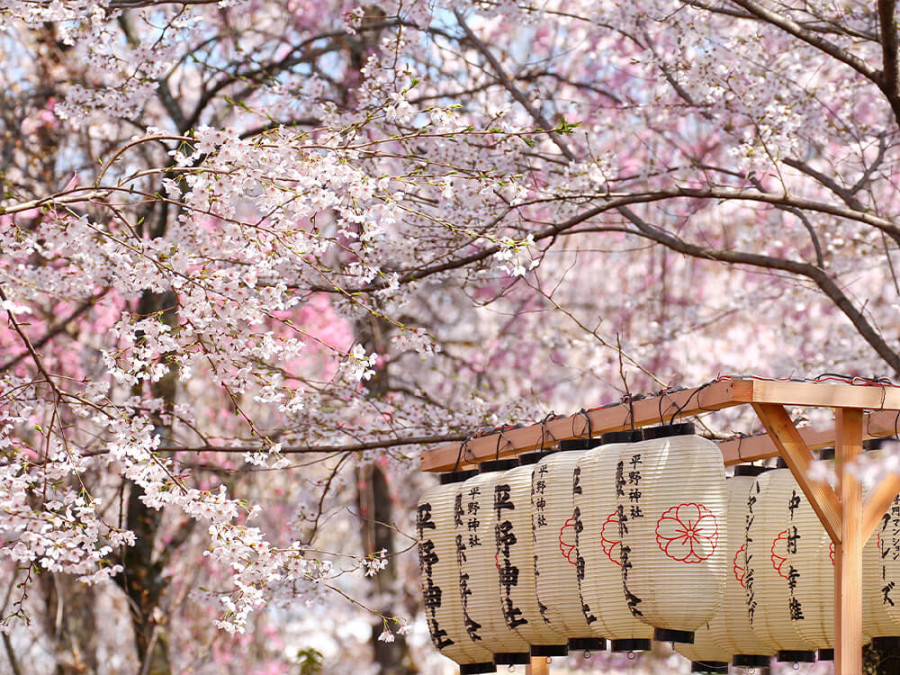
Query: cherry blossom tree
(258, 253)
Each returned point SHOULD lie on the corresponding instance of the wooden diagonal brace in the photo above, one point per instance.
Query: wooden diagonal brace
(878, 502)
(798, 457)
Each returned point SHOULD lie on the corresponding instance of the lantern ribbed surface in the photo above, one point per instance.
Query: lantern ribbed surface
(479, 579)
(440, 579)
(515, 557)
(766, 569)
(809, 565)
(731, 627)
(705, 650)
(555, 553)
(881, 576)
(598, 547)
(671, 503)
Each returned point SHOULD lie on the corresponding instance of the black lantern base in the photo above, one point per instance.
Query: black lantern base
(751, 661)
(549, 650)
(590, 644)
(512, 659)
(795, 655)
(685, 637)
(709, 667)
(826, 655)
(632, 645)
(886, 642)
(476, 668)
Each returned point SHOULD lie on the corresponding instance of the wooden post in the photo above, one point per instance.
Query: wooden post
(539, 666)
(848, 552)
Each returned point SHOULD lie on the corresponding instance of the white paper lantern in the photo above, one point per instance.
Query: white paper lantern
(671, 501)
(731, 628)
(599, 564)
(555, 552)
(479, 578)
(881, 580)
(766, 580)
(440, 577)
(515, 558)
(705, 654)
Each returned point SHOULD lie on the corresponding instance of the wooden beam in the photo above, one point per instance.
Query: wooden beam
(877, 504)
(798, 456)
(826, 395)
(653, 410)
(848, 552)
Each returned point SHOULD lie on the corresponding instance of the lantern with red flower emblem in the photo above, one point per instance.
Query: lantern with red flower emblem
(767, 578)
(556, 554)
(731, 627)
(604, 603)
(671, 505)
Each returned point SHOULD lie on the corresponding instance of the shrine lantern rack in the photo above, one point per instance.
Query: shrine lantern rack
(862, 410)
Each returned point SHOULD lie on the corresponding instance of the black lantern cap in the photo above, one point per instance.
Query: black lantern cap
(797, 656)
(750, 470)
(588, 644)
(630, 645)
(825, 655)
(826, 453)
(512, 659)
(457, 476)
(685, 637)
(627, 436)
(669, 430)
(709, 667)
(533, 457)
(476, 668)
(578, 444)
(498, 465)
(549, 650)
(751, 661)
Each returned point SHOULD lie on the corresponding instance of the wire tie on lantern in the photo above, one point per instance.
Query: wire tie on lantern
(587, 419)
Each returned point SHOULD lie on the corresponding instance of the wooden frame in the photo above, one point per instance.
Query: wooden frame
(861, 412)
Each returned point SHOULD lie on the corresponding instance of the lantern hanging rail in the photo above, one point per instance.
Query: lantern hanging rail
(881, 400)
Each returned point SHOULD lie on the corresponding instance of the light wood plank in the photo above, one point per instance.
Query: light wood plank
(539, 666)
(848, 553)
(826, 395)
(798, 456)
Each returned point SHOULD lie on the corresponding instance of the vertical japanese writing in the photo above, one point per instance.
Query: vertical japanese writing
(792, 544)
(748, 564)
(428, 558)
(628, 507)
(506, 539)
(466, 519)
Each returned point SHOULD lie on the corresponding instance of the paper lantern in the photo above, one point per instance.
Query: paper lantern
(555, 552)
(766, 577)
(705, 654)
(599, 566)
(515, 558)
(479, 575)
(881, 580)
(440, 577)
(671, 504)
(731, 628)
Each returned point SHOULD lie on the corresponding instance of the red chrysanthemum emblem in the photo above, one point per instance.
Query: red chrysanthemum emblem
(567, 541)
(688, 533)
(610, 538)
(739, 566)
(831, 551)
(778, 561)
